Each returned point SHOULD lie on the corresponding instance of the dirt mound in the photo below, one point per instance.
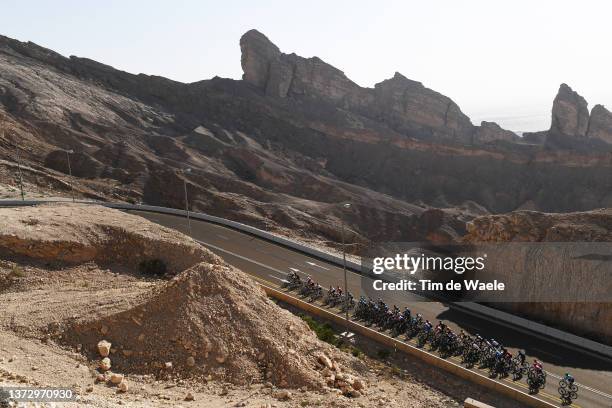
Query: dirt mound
(210, 320)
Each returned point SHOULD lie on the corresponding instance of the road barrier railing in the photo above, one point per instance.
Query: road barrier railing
(427, 357)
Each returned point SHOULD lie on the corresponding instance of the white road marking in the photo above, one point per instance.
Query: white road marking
(240, 257)
(223, 237)
(277, 278)
(295, 269)
(593, 390)
(318, 266)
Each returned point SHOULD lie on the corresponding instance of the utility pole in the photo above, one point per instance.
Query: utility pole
(20, 175)
(18, 168)
(68, 153)
(186, 171)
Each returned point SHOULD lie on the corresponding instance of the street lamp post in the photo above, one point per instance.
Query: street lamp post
(68, 153)
(18, 169)
(345, 206)
(185, 171)
(20, 176)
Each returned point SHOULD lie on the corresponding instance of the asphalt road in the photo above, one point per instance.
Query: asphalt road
(270, 262)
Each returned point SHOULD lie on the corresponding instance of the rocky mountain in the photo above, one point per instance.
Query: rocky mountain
(283, 147)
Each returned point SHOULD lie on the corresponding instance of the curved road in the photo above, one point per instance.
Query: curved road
(270, 262)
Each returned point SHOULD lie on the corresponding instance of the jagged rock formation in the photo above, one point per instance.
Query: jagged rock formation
(281, 148)
(572, 126)
(600, 124)
(403, 104)
(570, 115)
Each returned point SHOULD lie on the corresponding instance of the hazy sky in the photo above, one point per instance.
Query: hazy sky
(499, 60)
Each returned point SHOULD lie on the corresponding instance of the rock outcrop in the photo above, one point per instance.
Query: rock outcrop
(404, 105)
(600, 124)
(570, 115)
(491, 131)
(572, 127)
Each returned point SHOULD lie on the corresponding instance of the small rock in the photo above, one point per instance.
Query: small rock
(104, 348)
(168, 365)
(282, 395)
(100, 378)
(189, 397)
(353, 394)
(104, 329)
(127, 353)
(34, 368)
(123, 386)
(358, 384)
(141, 337)
(224, 391)
(105, 364)
(323, 359)
(116, 378)
(190, 361)
(89, 388)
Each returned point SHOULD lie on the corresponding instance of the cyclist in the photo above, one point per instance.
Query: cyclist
(537, 365)
(569, 379)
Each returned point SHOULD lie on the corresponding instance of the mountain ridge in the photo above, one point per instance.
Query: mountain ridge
(284, 162)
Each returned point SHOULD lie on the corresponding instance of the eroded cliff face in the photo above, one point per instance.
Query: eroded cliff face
(402, 104)
(550, 264)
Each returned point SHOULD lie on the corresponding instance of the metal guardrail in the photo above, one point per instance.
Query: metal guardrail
(516, 322)
(427, 357)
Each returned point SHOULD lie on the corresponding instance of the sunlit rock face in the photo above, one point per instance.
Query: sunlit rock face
(570, 115)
